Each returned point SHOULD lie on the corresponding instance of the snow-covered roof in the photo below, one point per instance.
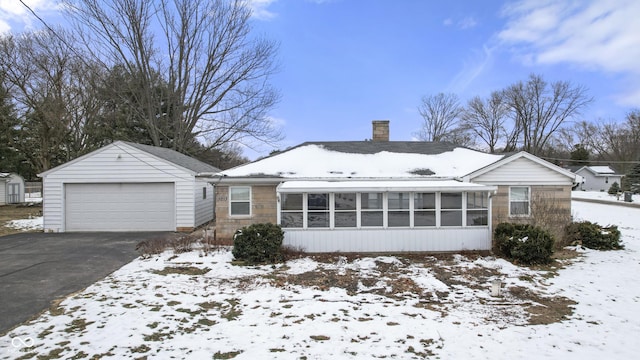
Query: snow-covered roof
(361, 160)
(602, 169)
(380, 186)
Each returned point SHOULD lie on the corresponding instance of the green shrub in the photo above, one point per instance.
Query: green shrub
(614, 189)
(258, 243)
(593, 236)
(523, 243)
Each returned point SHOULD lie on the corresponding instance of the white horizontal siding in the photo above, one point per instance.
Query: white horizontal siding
(117, 163)
(204, 207)
(522, 171)
(389, 240)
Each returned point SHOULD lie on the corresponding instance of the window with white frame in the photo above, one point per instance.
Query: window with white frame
(477, 208)
(240, 200)
(451, 209)
(318, 210)
(519, 201)
(377, 209)
(292, 215)
(345, 212)
(398, 209)
(371, 213)
(424, 209)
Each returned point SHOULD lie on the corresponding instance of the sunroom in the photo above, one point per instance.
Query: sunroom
(385, 216)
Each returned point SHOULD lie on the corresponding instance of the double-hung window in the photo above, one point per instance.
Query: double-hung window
(240, 200)
(424, 209)
(292, 215)
(318, 210)
(371, 210)
(451, 209)
(477, 209)
(345, 214)
(398, 209)
(519, 201)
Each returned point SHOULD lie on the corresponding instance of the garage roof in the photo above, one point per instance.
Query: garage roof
(176, 158)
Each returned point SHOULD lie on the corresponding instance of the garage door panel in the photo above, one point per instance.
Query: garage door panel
(120, 207)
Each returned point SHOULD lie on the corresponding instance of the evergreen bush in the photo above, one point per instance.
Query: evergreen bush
(258, 244)
(614, 189)
(593, 236)
(524, 243)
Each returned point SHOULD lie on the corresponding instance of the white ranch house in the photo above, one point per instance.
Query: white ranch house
(598, 178)
(128, 187)
(386, 196)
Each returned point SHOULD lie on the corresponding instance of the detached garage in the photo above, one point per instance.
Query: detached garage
(128, 187)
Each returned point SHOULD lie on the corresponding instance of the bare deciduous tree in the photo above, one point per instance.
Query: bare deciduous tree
(217, 72)
(440, 113)
(486, 118)
(47, 83)
(539, 109)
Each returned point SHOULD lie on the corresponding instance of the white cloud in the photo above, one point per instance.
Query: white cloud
(467, 23)
(597, 35)
(471, 70)
(260, 9)
(15, 16)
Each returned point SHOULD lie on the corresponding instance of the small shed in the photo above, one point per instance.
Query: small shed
(11, 188)
(128, 187)
(598, 178)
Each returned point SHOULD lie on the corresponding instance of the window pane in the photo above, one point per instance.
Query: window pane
(424, 218)
(345, 201)
(451, 200)
(519, 208)
(398, 218)
(371, 218)
(239, 208)
(240, 193)
(424, 201)
(291, 201)
(519, 194)
(477, 217)
(398, 200)
(477, 200)
(318, 201)
(371, 200)
(318, 219)
(291, 220)
(451, 218)
(345, 219)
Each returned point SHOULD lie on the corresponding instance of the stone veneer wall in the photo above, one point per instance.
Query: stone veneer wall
(263, 210)
(550, 208)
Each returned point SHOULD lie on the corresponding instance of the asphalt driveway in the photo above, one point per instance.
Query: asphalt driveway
(37, 268)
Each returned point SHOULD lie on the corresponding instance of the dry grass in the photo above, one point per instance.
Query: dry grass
(16, 212)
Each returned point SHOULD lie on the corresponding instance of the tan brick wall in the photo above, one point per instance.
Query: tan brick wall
(263, 209)
(550, 208)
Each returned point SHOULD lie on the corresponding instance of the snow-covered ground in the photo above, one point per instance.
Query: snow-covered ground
(203, 307)
(33, 224)
(601, 195)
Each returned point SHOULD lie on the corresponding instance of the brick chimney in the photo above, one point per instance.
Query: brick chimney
(380, 130)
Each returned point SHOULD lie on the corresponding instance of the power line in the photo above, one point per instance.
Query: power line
(590, 161)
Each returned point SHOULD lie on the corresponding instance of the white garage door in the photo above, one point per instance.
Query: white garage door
(120, 207)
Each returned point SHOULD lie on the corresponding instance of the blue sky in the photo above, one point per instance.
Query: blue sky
(345, 63)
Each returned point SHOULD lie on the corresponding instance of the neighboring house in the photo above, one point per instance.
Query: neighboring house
(388, 196)
(598, 178)
(11, 188)
(128, 187)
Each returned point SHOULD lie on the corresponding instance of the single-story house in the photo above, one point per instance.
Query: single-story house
(128, 187)
(387, 196)
(598, 178)
(11, 188)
